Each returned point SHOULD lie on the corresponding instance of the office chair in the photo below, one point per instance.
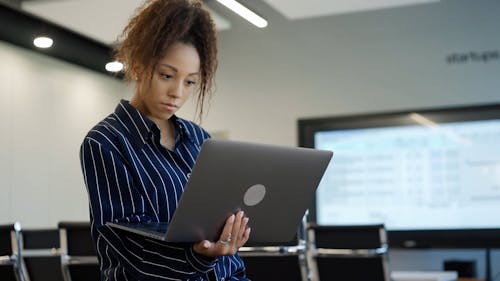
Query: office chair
(41, 255)
(11, 266)
(348, 253)
(274, 262)
(279, 261)
(78, 256)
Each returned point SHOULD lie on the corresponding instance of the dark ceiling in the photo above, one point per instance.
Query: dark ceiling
(20, 28)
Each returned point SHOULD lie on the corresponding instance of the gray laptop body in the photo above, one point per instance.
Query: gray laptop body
(273, 185)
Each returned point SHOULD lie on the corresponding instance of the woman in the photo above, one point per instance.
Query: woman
(137, 160)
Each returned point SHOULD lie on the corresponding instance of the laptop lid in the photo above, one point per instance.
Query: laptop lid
(273, 185)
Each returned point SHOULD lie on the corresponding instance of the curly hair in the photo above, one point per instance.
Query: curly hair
(158, 24)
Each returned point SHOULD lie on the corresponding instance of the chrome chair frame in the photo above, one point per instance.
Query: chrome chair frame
(314, 252)
(36, 252)
(66, 258)
(15, 257)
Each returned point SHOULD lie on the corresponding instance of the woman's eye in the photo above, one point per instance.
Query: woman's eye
(191, 83)
(166, 76)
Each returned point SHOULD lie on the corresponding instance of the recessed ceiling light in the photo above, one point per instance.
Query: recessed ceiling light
(43, 42)
(244, 12)
(114, 66)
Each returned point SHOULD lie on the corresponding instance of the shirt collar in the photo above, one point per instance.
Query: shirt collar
(181, 126)
(141, 127)
(137, 124)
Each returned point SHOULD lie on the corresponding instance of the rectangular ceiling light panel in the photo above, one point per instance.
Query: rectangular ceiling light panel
(300, 9)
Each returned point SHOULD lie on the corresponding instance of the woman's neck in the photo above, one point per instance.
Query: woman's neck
(167, 129)
(167, 133)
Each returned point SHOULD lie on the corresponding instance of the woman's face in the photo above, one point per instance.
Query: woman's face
(174, 79)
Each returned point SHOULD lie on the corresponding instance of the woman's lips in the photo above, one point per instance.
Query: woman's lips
(169, 106)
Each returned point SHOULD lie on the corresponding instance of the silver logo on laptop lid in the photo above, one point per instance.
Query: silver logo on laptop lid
(254, 195)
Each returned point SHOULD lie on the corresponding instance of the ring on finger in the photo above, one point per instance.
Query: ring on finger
(228, 239)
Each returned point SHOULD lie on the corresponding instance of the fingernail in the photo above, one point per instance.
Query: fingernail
(241, 213)
(231, 218)
(246, 219)
(206, 244)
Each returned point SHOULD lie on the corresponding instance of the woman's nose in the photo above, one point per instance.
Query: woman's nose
(176, 90)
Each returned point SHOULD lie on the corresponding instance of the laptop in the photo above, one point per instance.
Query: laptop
(274, 185)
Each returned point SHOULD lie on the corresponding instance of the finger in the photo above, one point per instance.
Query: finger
(245, 237)
(243, 227)
(205, 244)
(204, 247)
(236, 228)
(228, 227)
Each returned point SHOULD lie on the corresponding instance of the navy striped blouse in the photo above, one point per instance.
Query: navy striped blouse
(131, 177)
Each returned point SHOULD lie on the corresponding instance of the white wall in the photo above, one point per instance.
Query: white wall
(367, 62)
(46, 107)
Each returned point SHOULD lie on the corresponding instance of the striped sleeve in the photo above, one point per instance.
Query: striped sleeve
(231, 268)
(113, 197)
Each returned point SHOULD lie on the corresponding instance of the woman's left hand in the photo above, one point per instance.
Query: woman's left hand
(234, 235)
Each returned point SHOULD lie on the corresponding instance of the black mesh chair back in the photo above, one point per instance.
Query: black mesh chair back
(278, 266)
(36, 239)
(349, 253)
(41, 254)
(78, 241)
(349, 237)
(5, 240)
(11, 267)
(78, 256)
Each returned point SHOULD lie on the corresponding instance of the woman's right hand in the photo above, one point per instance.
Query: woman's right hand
(234, 235)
